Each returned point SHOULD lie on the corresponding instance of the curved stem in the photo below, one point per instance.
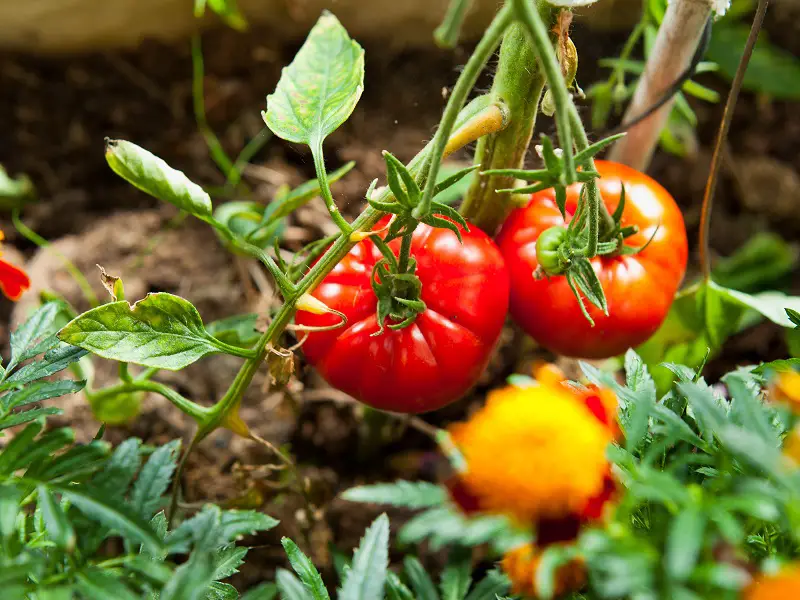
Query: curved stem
(197, 412)
(325, 188)
(555, 80)
(727, 117)
(466, 81)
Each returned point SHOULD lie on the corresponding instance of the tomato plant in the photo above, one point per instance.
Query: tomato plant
(639, 288)
(436, 359)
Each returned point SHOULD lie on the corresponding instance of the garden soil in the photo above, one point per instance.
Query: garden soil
(54, 114)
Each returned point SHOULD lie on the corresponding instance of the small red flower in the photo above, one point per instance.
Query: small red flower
(13, 280)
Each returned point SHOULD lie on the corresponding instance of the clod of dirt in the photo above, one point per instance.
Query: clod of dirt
(768, 187)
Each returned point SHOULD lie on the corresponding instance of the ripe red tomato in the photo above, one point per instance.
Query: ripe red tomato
(639, 288)
(440, 356)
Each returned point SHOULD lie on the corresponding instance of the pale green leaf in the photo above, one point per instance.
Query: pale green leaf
(154, 176)
(318, 91)
(161, 331)
(417, 494)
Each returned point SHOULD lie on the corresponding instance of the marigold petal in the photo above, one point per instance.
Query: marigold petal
(533, 453)
(521, 564)
(780, 586)
(13, 280)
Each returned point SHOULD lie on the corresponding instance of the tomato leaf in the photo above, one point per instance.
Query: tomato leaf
(318, 91)
(162, 331)
(152, 175)
(305, 570)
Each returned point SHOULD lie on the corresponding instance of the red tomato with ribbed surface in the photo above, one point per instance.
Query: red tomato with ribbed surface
(440, 356)
(639, 288)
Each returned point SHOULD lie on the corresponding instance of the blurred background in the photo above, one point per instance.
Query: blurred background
(150, 71)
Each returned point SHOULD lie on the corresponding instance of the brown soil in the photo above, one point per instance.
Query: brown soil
(55, 113)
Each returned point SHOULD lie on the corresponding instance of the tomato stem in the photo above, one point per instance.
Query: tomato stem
(540, 37)
(518, 84)
(727, 117)
(405, 252)
(466, 81)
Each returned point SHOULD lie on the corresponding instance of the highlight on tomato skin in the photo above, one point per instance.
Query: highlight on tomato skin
(639, 288)
(441, 355)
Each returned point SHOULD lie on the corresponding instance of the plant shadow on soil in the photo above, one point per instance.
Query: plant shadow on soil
(58, 110)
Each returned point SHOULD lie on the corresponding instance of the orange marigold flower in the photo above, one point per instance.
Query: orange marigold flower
(786, 388)
(13, 280)
(783, 585)
(533, 453)
(520, 566)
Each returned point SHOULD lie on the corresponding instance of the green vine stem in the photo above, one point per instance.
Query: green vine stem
(325, 188)
(466, 81)
(540, 38)
(518, 84)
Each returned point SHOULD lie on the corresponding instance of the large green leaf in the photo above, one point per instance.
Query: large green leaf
(154, 176)
(161, 331)
(771, 71)
(318, 91)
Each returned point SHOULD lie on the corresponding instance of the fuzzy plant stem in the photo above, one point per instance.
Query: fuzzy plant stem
(518, 84)
(675, 45)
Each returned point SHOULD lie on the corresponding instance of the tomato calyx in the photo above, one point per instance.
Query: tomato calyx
(398, 294)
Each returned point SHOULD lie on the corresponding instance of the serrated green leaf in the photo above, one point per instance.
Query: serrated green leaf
(366, 578)
(290, 587)
(152, 570)
(419, 579)
(58, 526)
(110, 513)
(39, 391)
(191, 580)
(27, 341)
(221, 591)
(457, 576)
(154, 176)
(154, 479)
(78, 460)
(53, 361)
(21, 418)
(417, 494)
(318, 91)
(228, 560)
(161, 331)
(305, 570)
(121, 468)
(684, 542)
(99, 584)
(396, 589)
(236, 523)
